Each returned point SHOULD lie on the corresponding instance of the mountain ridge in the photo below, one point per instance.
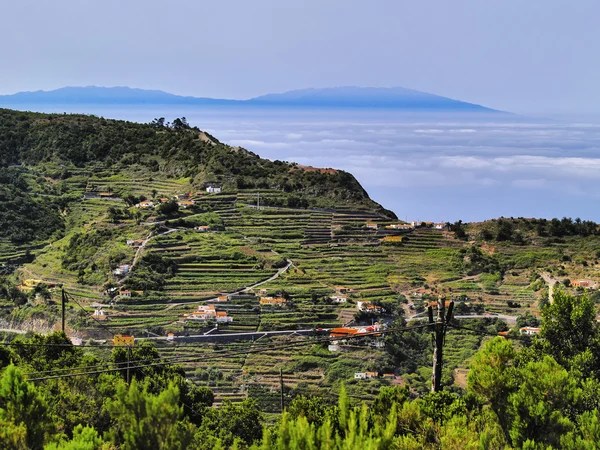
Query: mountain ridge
(395, 98)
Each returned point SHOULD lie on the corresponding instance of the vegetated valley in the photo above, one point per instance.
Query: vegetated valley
(205, 288)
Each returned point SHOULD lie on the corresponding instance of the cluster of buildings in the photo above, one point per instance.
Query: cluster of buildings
(207, 313)
(407, 226)
(365, 306)
(342, 334)
(369, 375)
(184, 201)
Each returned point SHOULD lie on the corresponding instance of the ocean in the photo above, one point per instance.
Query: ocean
(433, 167)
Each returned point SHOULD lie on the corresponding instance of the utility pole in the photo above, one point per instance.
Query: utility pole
(128, 360)
(436, 380)
(441, 325)
(281, 386)
(63, 303)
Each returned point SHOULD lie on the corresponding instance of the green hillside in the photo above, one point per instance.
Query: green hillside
(72, 212)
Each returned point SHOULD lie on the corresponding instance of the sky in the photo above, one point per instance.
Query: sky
(529, 57)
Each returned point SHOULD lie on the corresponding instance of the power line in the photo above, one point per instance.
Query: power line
(485, 333)
(231, 353)
(99, 323)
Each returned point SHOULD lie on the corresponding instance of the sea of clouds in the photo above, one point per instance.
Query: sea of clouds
(423, 166)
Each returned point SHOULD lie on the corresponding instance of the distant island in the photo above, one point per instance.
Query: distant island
(396, 98)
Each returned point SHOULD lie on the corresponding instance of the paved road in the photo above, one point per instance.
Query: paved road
(240, 291)
(12, 330)
(550, 282)
(145, 242)
(248, 336)
(138, 252)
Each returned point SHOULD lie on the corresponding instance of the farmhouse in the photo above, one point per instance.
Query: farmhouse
(222, 317)
(123, 339)
(223, 298)
(392, 239)
(272, 301)
(185, 204)
(341, 289)
(343, 332)
(125, 293)
(400, 226)
(145, 204)
(581, 283)
(365, 375)
(202, 228)
(367, 307)
(529, 331)
(439, 226)
(100, 314)
(207, 309)
(371, 226)
(122, 270)
(339, 298)
(135, 243)
(213, 188)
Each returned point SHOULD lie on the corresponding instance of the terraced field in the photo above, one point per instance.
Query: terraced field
(327, 249)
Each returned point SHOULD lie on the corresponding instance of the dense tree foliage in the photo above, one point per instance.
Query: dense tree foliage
(517, 230)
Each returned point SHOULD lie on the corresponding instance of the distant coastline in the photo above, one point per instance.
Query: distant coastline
(400, 99)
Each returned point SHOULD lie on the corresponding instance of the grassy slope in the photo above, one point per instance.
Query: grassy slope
(329, 247)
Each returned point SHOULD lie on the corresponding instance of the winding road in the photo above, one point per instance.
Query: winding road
(550, 282)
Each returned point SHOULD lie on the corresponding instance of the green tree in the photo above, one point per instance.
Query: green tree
(493, 375)
(22, 407)
(149, 422)
(570, 331)
(539, 408)
(84, 438)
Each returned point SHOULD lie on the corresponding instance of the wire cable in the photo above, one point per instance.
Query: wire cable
(229, 354)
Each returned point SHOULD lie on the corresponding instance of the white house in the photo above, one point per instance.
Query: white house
(529, 331)
(122, 270)
(339, 298)
(100, 314)
(222, 317)
(439, 226)
(400, 226)
(360, 375)
(145, 204)
(213, 189)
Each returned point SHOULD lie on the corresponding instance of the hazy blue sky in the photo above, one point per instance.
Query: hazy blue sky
(517, 55)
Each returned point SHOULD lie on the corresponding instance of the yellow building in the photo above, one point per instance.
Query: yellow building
(272, 300)
(392, 239)
(123, 340)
